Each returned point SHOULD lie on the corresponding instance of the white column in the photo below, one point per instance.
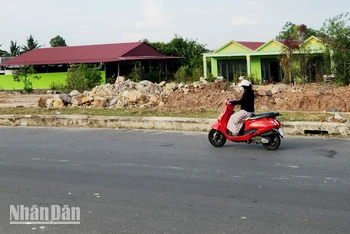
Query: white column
(205, 69)
(248, 65)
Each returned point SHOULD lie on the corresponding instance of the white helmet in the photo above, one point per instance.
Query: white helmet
(244, 83)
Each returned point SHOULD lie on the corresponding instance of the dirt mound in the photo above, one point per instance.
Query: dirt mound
(208, 97)
(310, 97)
(302, 98)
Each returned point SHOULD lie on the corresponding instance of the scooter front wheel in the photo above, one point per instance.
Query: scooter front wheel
(216, 138)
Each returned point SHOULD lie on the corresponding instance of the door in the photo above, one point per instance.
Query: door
(271, 69)
(274, 70)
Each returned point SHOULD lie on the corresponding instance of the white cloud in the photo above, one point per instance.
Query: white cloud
(150, 35)
(246, 20)
(253, 4)
(132, 37)
(154, 15)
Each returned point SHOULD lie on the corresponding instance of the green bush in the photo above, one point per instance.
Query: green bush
(136, 73)
(182, 74)
(211, 79)
(167, 76)
(60, 87)
(24, 74)
(153, 77)
(254, 79)
(82, 77)
(197, 73)
(111, 80)
(188, 75)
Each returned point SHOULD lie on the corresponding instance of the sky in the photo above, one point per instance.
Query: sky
(212, 23)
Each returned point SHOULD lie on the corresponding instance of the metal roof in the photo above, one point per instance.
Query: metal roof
(253, 45)
(88, 54)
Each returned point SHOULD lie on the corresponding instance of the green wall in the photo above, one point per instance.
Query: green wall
(255, 63)
(7, 83)
(255, 68)
(214, 67)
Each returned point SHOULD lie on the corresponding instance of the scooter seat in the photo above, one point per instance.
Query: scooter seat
(264, 115)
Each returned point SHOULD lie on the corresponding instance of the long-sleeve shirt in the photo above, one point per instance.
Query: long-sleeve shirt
(247, 100)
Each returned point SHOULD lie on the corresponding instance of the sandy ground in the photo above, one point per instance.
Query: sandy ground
(302, 98)
(310, 97)
(16, 99)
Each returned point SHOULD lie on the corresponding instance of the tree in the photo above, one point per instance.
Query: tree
(24, 74)
(289, 28)
(337, 31)
(3, 52)
(165, 48)
(145, 40)
(294, 65)
(14, 49)
(57, 41)
(31, 44)
(189, 50)
(82, 77)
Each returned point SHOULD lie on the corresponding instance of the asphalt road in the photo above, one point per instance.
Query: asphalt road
(174, 182)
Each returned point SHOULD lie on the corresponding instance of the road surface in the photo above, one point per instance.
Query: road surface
(127, 181)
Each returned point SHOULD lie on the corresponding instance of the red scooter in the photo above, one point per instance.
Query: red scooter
(262, 129)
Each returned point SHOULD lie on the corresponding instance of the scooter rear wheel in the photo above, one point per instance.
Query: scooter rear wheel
(275, 142)
(216, 138)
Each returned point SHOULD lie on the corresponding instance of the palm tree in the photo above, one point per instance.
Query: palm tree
(31, 44)
(14, 49)
(3, 52)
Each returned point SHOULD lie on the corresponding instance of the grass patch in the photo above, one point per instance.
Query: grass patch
(304, 116)
(190, 113)
(159, 112)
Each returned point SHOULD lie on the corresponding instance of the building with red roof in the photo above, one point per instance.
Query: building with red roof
(118, 59)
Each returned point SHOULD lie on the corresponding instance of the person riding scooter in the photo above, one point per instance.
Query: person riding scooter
(237, 119)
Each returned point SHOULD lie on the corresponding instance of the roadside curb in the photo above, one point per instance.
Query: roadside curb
(160, 123)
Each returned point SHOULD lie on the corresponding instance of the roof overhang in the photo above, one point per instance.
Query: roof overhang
(213, 55)
(77, 61)
(136, 58)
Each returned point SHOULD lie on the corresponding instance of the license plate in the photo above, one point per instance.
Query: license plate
(281, 132)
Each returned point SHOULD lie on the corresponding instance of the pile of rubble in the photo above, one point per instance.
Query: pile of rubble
(201, 94)
(124, 93)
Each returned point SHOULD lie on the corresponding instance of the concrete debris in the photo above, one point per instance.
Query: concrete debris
(144, 94)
